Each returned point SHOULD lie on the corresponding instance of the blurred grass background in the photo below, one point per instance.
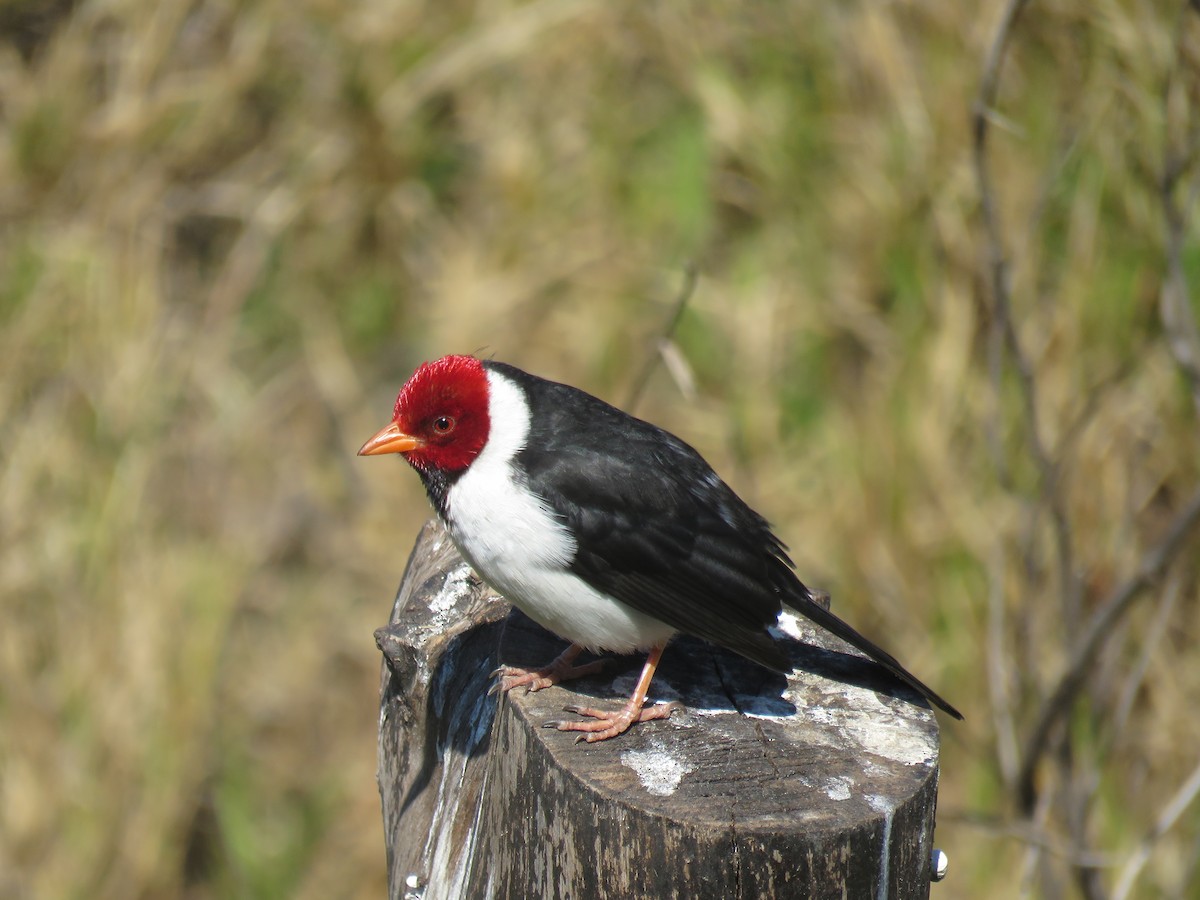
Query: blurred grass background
(231, 230)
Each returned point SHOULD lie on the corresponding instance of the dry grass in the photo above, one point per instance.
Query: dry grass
(229, 231)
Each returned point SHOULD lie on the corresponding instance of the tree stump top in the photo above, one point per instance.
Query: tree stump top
(810, 751)
(820, 783)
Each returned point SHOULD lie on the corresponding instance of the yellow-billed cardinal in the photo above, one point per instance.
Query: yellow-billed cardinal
(605, 529)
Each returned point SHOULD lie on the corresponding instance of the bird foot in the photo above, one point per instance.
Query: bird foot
(608, 723)
(536, 679)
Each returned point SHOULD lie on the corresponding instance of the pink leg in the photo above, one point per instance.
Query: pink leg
(536, 679)
(608, 724)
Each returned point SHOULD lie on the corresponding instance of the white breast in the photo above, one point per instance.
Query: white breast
(516, 544)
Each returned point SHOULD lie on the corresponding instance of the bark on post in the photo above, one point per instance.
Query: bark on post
(821, 784)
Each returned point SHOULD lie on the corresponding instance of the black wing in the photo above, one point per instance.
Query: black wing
(659, 530)
(656, 528)
(667, 552)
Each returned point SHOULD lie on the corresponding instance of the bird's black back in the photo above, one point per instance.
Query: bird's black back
(657, 529)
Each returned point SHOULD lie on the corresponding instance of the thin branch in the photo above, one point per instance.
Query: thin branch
(1149, 649)
(663, 340)
(1000, 674)
(1098, 629)
(982, 118)
(1029, 833)
(1082, 780)
(1181, 800)
(1033, 860)
(1004, 333)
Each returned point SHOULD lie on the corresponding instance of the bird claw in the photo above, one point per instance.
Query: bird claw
(534, 680)
(607, 724)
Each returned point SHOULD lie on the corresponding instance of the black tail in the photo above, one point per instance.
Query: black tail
(831, 623)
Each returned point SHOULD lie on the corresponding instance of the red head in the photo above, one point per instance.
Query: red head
(440, 420)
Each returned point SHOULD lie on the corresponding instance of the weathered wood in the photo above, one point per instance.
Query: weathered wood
(822, 784)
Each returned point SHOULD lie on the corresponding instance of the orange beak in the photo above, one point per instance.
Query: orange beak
(390, 440)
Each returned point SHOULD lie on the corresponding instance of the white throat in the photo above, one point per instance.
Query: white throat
(500, 526)
(516, 543)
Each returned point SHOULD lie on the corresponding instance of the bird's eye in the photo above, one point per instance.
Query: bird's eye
(443, 424)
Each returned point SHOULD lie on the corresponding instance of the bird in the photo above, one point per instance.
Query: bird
(605, 529)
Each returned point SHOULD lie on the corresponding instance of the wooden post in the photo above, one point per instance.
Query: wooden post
(822, 784)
